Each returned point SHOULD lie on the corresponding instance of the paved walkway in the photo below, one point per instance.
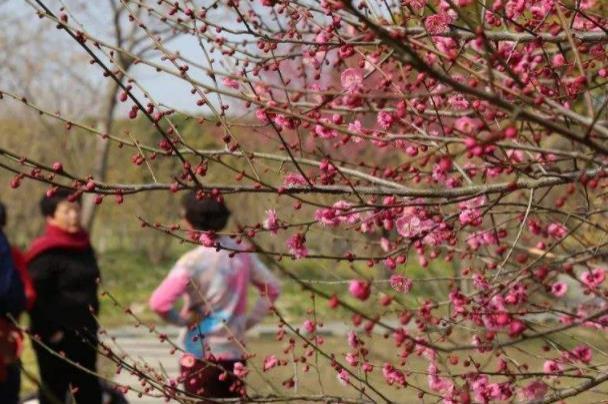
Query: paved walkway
(144, 347)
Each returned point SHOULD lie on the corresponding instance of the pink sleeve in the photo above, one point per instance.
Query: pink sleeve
(169, 291)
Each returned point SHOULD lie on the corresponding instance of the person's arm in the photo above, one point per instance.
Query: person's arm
(6, 266)
(16, 296)
(269, 288)
(12, 296)
(163, 300)
(28, 287)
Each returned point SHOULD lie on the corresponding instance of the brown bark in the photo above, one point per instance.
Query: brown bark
(102, 151)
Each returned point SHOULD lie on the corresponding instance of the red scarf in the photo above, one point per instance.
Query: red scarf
(55, 237)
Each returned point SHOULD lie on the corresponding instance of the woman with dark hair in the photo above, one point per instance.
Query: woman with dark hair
(213, 282)
(64, 270)
(12, 303)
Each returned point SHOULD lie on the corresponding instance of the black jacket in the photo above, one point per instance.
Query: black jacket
(66, 286)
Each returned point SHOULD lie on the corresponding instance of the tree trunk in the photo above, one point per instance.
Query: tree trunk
(102, 149)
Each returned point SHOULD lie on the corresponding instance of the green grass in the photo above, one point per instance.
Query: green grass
(129, 278)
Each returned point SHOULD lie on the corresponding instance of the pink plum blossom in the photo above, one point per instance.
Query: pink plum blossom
(352, 359)
(297, 246)
(516, 328)
(559, 289)
(470, 213)
(437, 23)
(400, 283)
(359, 289)
(352, 339)
(228, 82)
(207, 239)
(262, 115)
(310, 326)
(240, 370)
(552, 366)
(324, 132)
(337, 214)
(534, 391)
(466, 125)
(592, 278)
(415, 4)
(343, 377)
(269, 362)
(582, 353)
(187, 360)
(291, 179)
(272, 221)
(385, 119)
(557, 230)
(352, 80)
(392, 375)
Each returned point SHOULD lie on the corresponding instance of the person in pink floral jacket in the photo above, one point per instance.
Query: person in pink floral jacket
(213, 283)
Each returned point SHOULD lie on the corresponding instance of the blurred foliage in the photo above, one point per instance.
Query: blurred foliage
(118, 226)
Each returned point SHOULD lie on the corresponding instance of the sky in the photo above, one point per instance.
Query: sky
(95, 17)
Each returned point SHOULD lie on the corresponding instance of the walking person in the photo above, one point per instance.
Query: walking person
(213, 283)
(64, 270)
(13, 300)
